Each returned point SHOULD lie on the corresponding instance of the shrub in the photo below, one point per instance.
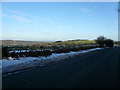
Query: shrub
(109, 43)
(5, 52)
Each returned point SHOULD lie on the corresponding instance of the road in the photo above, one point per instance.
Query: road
(94, 70)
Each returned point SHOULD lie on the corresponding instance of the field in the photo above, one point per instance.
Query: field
(35, 49)
(11, 48)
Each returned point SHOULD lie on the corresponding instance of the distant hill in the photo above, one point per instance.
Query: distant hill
(79, 40)
(39, 43)
(74, 42)
(19, 43)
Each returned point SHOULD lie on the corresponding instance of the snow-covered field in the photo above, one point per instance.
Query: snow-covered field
(18, 51)
(28, 62)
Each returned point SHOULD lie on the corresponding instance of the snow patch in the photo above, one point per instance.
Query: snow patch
(13, 64)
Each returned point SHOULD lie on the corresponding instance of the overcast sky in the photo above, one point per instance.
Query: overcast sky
(59, 21)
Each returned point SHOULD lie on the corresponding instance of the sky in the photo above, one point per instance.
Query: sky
(53, 21)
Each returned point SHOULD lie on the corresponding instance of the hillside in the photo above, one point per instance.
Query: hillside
(30, 43)
(19, 43)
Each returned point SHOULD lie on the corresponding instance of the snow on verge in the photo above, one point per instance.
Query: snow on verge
(28, 62)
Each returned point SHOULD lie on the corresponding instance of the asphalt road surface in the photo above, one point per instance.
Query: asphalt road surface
(94, 70)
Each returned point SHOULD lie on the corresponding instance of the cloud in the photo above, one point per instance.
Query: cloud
(18, 39)
(85, 10)
(15, 12)
(16, 15)
(20, 18)
(38, 18)
(25, 17)
(1, 15)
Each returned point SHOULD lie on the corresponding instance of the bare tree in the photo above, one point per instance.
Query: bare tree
(101, 41)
